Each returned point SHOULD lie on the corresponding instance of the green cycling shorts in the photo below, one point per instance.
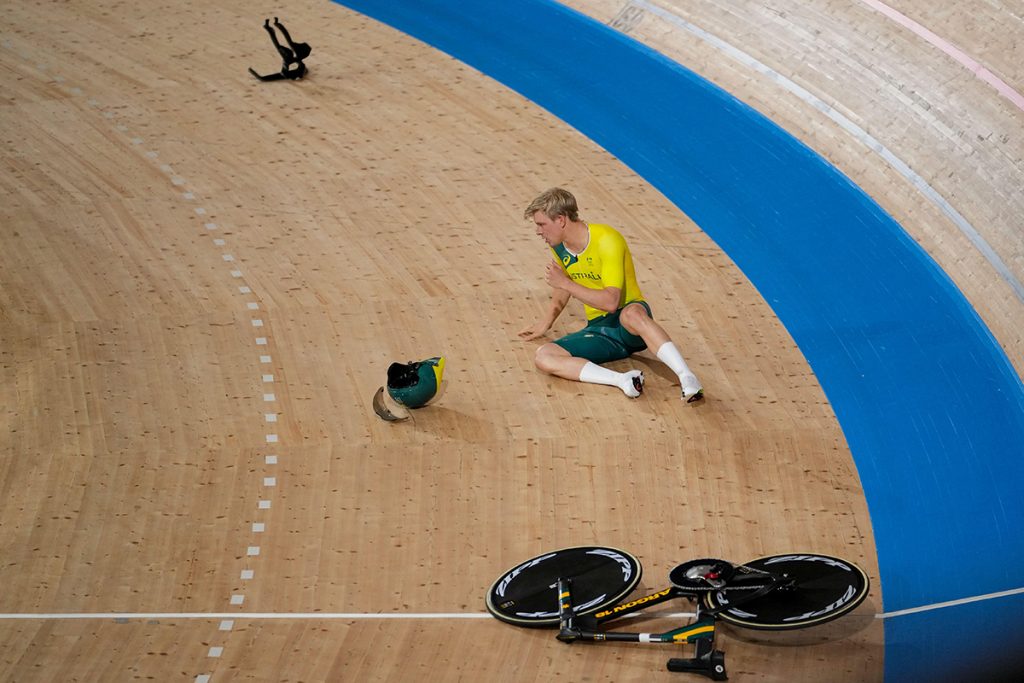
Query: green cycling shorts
(604, 339)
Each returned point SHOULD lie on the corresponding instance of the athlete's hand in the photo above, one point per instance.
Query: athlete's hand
(556, 276)
(534, 331)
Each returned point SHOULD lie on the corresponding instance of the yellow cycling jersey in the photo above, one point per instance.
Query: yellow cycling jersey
(605, 262)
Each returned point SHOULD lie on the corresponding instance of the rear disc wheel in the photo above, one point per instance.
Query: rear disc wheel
(820, 588)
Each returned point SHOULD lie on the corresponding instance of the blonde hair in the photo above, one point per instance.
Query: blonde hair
(553, 203)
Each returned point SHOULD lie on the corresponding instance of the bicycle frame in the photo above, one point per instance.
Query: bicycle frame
(701, 632)
(775, 592)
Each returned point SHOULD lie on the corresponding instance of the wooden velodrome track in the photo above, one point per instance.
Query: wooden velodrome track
(204, 279)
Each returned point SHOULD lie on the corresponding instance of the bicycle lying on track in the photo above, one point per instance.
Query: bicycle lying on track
(581, 589)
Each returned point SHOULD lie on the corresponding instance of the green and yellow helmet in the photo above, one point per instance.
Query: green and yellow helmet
(415, 384)
(410, 385)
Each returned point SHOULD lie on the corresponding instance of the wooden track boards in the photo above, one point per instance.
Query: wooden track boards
(371, 213)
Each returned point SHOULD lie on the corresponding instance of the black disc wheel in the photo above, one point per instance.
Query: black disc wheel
(813, 589)
(527, 594)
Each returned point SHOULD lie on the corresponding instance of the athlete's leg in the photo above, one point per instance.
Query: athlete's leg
(636, 320)
(554, 360)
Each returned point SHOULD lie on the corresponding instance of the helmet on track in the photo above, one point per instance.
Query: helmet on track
(410, 385)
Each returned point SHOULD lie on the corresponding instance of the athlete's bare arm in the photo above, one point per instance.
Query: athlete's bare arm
(559, 298)
(606, 299)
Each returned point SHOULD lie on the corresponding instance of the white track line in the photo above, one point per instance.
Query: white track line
(248, 573)
(247, 615)
(417, 615)
(951, 603)
(900, 166)
(852, 129)
(344, 616)
(979, 70)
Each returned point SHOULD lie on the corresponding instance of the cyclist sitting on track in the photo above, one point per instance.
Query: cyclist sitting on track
(595, 266)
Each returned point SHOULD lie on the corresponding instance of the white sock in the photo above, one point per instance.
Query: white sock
(670, 356)
(596, 374)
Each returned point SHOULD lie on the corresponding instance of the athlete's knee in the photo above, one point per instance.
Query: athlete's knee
(546, 357)
(634, 317)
